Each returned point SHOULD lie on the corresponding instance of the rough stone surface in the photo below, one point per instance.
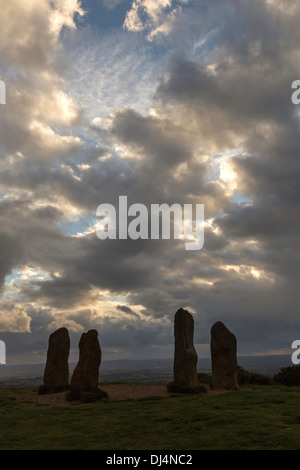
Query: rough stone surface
(56, 374)
(185, 356)
(86, 373)
(223, 347)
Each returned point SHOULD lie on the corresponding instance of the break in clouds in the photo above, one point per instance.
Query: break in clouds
(185, 102)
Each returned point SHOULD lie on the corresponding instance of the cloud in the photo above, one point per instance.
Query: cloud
(125, 309)
(155, 17)
(152, 10)
(111, 4)
(38, 110)
(25, 22)
(14, 319)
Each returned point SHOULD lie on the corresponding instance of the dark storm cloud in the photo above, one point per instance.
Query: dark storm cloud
(158, 138)
(114, 265)
(125, 309)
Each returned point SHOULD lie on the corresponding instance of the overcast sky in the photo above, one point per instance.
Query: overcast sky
(164, 101)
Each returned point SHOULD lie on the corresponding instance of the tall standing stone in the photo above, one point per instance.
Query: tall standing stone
(223, 347)
(185, 356)
(56, 374)
(86, 373)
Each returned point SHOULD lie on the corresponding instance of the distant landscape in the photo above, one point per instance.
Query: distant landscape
(153, 371)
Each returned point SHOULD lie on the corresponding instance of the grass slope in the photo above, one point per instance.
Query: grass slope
(264, 418)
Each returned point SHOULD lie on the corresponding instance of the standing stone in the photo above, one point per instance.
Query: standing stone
(86, 373)
(185, 356)
(56, 374)
(223, 347)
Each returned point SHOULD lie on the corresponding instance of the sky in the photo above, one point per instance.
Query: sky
(162, 101)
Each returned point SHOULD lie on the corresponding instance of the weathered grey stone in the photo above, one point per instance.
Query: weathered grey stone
(86, 373)
(185, 356)
(56, 374)
(223, 347)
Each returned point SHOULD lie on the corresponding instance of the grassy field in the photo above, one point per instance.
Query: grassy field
(265, 417)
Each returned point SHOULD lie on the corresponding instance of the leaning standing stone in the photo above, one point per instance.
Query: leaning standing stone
(223, 348)
(185, 356)
(56, 374)
(86, 373)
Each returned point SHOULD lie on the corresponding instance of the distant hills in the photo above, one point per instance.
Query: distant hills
(157, 370)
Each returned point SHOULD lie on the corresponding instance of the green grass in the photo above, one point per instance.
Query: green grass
(266, 417)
